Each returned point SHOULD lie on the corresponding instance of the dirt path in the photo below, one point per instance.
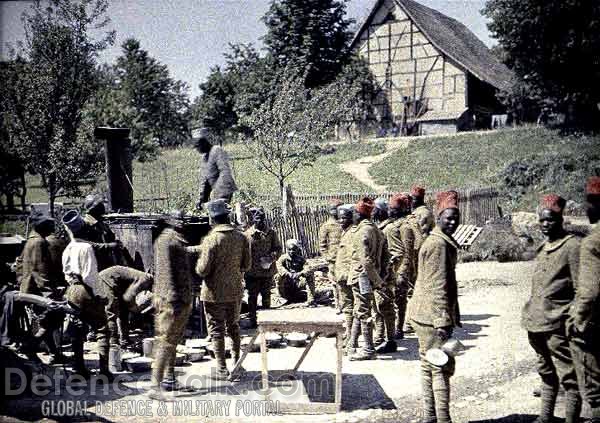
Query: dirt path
(359, 169)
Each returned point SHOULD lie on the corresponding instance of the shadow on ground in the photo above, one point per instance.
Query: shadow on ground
(513, 418)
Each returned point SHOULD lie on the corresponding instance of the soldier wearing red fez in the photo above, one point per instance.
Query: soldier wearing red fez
(367, 269)
(383, 312)
(544, 315)
(330, 234)
(434, 307)
(582, 326)
(422, 213)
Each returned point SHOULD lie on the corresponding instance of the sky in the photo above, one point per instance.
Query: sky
(190, 36)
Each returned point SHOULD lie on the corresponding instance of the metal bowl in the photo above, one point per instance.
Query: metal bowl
(296, 339)
(180, 358)
(195, 354)
(138, 364)
(273, 339)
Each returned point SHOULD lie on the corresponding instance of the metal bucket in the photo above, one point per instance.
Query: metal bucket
(147, 346)
(114, 359)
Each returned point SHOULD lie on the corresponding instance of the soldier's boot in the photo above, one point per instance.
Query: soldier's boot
(389, 346)
(572, 407)
(428, 401)
(348, 328)
(400, 319)
(162, 358)
(103, 352)
(379, 333)
(441, 395)
(78, 360)
(220, 373)
(352, 342)
(548, 397)
(236, 347)
(367, 352)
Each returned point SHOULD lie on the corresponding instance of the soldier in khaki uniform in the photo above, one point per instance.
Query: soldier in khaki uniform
(224, 257)
(81, 272)
(294, 277)
(342, 267)
(366, 273)
(106, 246)
(422, 213)
(434, 307)
(383, 311)
(582, 326)
(118, 287)
(265, 248)
(330, 234)
(172, 300)
(552, 291)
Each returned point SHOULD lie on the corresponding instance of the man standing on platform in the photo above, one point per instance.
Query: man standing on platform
(330, 233)
(265, 248)
(366, 273)
(552, 292)
(434, 309)
(582, 326)
(172, 300)
(383, 310)
(216, 178)
(224, 257)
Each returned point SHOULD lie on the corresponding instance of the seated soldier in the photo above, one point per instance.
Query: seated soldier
(118, 287)
(81, 272)
(293, 276)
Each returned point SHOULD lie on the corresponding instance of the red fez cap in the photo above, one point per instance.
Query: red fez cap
(553, 202)
(335, 202)
(446, 200)
(417, 191)
(365, 206)
(401, 201)
(593, 186)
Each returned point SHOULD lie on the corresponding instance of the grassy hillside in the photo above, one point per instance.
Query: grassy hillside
(522, 163)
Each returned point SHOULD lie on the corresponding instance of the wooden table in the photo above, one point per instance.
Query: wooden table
(319, 321)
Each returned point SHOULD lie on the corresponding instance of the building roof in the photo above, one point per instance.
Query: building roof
(432, 115)
(453, 39)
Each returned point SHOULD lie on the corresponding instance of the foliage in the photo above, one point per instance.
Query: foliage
(311, 36)
(478, 160)
(49, 83)
(553, 45)
(139, 93)
(286, 133)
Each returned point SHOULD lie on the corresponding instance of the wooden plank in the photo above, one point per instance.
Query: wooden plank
(263, 356)
(313, 338)
(338, 373)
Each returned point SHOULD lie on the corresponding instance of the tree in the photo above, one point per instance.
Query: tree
(286, 133)
(553, 46)
(140, 94)
(311, 36)
(49, 83)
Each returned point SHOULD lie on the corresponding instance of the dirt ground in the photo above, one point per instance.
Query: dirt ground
(494, 379)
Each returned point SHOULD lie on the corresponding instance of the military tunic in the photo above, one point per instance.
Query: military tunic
(384, 296)
(585, 316)
(292, 288)
(259, 280)
(56, 246)
(215, 174)
(330, 234)
(36, 266)
(100, 236)
(367, 260)
(342, 267)
(552, 291)
(118, 286)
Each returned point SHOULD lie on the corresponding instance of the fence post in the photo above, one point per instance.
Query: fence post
(294, 211)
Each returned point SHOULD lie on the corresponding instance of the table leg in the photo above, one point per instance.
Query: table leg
(338, 373)
(265, 368)
(313, 338)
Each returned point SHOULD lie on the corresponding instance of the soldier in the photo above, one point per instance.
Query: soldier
(98, 233)
(342, 264)
(81, 272)
(265, 248)
(56, 246)
(434, 307)
(172, 300)
(366, 273)
(544, 314)
(383, 311)
(118, 287)
(423, 214)
(224, 257)
(38, 278)
(330, 233)
(294, 277)
(216, 179)
(582, 326)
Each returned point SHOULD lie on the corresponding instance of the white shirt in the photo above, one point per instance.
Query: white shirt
(79, 258)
